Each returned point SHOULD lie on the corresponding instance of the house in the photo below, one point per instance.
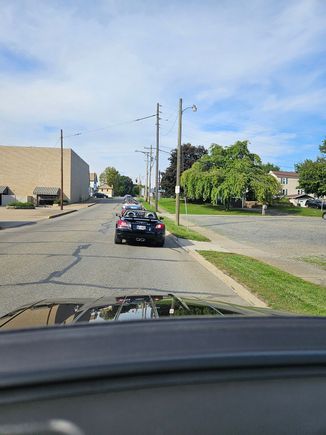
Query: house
(299, 200)
(106, 189)
(289, 182)
(93, 182)
(34, 174)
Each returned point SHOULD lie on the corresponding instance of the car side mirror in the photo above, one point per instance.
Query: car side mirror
(161, 218)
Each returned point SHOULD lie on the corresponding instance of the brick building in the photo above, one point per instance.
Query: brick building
(33, 174)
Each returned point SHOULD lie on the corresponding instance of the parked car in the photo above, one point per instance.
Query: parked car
(140, 226)
(131, 206)
(315, 203)
(99, 195)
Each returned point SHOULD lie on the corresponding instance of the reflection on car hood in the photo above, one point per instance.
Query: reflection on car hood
(119, 308)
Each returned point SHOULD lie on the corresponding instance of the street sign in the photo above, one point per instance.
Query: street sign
(177, 189)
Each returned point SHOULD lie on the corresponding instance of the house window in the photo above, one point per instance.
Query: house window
(284, 192)
(300, 191)
(284, 181)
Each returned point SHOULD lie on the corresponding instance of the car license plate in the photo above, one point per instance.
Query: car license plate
(141, 227)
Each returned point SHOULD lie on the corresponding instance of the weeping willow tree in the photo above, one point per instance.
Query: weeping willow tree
(229, 172)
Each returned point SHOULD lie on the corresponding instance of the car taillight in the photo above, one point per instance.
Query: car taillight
(123, 224)
(160, 226)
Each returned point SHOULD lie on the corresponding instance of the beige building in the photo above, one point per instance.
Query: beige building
(34, 174)
(107, 190)
(289, 182)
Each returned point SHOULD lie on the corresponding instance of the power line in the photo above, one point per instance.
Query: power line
(110, 126)
(173, 125)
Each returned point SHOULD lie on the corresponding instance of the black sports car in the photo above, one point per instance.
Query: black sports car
(140, 226)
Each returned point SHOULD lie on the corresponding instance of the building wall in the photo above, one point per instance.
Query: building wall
(24, 168)
(289, 185)
(79, 178)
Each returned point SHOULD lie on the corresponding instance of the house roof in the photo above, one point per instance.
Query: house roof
(285, 174)
(3, 189)
(105, 186)
(42, 190)
(302, 195)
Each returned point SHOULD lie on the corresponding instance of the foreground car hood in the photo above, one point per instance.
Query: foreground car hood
(120, 308)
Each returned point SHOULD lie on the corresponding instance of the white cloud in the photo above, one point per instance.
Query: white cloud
(112, 61)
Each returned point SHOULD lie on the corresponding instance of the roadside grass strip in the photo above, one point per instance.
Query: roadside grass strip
(183, 232)
(180, 231)
(317, 260)
(280, 290)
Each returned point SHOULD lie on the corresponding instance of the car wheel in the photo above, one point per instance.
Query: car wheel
(324, 215)
(117, 240)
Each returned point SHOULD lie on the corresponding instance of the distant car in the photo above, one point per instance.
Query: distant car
(99, 195)
(140, 226)
(315, 203)
(128, 198)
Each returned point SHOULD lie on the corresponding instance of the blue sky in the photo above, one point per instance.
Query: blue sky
(255, 69)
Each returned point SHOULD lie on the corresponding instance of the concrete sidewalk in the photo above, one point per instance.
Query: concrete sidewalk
(220, 243)
(10, 218)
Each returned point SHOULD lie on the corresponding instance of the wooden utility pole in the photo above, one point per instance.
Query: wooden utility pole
(150, 173)
(157, 153)
(61, 189)
(177, 187)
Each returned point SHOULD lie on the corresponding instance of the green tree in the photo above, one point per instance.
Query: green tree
(111, 177)
(270, 167)
(322, 147)
(312, 176)
(189, 155)
(125, 186)
(227, 173)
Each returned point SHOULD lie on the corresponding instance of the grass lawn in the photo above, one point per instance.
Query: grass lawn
(169, 205)
(299, 211)
(319, 261)
(179, 231)
(183, 232)
(278, 289)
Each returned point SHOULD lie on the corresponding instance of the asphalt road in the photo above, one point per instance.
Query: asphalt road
(74, 256)
(289, 237)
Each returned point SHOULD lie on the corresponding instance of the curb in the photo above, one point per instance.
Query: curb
(91, 205)
(239, 289)
(61, 214)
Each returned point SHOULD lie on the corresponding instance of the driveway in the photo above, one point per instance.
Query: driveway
(278, 240)
(287, 236)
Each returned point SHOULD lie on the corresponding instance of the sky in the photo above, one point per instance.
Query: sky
(256, 70)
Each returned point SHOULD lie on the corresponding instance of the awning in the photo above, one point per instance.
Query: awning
(3, 190)
(40, 190)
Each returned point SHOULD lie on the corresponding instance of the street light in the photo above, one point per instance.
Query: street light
(147, 156)
(177, 187)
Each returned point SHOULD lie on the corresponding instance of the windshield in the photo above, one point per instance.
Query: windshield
(161, 160)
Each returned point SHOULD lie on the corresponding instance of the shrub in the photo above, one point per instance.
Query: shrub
(18, 204)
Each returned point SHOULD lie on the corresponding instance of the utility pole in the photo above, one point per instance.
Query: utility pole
(61, 189)
(177, 187)
(150, 173)
(157, 153)
(147, 183)
(146, 179)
